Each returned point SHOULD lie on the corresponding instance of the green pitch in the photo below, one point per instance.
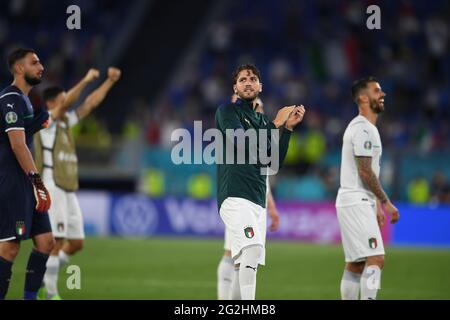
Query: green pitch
(185, 268)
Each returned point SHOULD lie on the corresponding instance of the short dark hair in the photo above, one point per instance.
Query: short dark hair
(251, 67)
(359, 85)
(51, 93)
(16, 55)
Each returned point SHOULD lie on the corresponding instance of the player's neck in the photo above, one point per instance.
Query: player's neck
(369, 115)
(22, 85)
(252, 103)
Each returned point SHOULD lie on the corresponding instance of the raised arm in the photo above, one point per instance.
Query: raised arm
(99, 94)
(74, 93)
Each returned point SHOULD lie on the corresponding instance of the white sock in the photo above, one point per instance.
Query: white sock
(350, 285)
(235, 288)
(51, 276)
(370, 282)
(247, 273)
(224, 278)
(63, 258)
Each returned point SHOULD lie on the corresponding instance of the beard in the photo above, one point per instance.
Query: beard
(248, 98)
(32, 81)
(376, 106)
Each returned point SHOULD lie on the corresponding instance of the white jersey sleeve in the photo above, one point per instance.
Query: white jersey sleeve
(363, 141)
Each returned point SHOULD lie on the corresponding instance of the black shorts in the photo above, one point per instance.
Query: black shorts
(19, 219)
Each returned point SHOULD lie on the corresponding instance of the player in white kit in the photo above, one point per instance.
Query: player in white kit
(361, 200)
(56, 158)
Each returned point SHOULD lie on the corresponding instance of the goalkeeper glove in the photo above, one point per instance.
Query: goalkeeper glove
(40, 192)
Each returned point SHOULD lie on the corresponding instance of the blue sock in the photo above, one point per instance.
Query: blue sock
(35, 273)
(5, 276)
(28, 295)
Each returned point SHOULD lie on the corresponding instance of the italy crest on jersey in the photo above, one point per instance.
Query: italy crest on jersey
(373, 243)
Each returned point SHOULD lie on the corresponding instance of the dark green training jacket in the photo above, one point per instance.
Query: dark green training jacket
(245, 180)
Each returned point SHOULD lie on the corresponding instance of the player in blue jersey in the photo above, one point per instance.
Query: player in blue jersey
(24, 200)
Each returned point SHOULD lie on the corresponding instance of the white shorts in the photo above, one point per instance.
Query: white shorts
(65, 214)
(360, 233)
(245, 225)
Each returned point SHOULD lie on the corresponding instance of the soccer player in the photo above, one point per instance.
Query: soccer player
(226, 265)
(24, 200)
(241, 195)
(57, 160)
(361, 199)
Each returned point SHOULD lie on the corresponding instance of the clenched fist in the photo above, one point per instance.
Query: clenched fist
(114, 73)
(282, 116)
(390, 209)
(91, 75)
(295, 117)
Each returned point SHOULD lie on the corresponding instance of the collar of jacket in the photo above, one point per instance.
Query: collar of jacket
(244, 103)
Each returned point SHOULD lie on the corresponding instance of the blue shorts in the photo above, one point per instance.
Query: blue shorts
(19, 219)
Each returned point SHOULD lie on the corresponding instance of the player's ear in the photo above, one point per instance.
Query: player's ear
(260, 87)
(17, 68)
(363, 97)
(235, 89)
(21, 67)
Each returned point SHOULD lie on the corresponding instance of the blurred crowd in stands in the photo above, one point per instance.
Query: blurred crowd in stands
(309, 52)
(41, 25)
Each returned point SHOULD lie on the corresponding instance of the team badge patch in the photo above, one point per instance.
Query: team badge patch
(367, 145)
(373, 243)
(249, 233)
(11, 117)
(20, 228)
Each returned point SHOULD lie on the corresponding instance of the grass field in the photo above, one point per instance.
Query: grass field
(184, 268)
